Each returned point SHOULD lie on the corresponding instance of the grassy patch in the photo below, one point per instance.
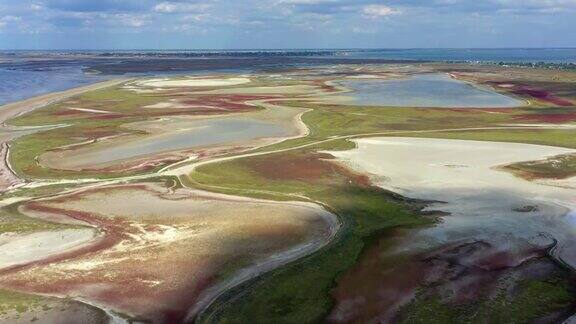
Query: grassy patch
(552, 137)
(124, 105)
(12, 221)
(11, 301)
(533, 300)
(327, 121)
(364, 211)
(557, 167)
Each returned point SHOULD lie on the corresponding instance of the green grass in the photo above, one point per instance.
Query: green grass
(558, 167)
(279, 297)
(327, 121)
(25, 150)
(552, 137)
(299, 293)
(11, 220)
(364, 211)
(532, 300)
(11, 301)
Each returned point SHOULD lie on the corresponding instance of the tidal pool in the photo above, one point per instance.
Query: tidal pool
(425, 90)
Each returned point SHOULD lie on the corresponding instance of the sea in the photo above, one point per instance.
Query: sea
(25, 74)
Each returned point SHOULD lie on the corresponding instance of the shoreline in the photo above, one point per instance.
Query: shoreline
(15, 109)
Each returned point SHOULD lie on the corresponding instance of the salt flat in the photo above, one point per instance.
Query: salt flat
(167, 83)
(484, 202)
(24, 248)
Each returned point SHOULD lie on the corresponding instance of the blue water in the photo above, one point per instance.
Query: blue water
(204, 133)
(24, 75)
(425, 90)
(549, 55)
(21, 84)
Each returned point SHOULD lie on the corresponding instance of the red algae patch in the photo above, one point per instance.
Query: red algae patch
(161, 249)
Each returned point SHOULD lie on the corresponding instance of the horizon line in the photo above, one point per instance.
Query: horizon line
(294, 49)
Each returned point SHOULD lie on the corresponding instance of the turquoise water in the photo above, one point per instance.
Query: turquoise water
(425, 90)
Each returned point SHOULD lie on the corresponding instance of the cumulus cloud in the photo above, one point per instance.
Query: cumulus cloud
(268, 19)
(378, 11)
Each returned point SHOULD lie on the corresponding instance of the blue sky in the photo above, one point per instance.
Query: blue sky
(190, 24)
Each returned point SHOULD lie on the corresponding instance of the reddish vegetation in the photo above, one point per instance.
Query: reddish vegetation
(536, 93)
(549, 118)
(154, 281)
(381, 292)
(542, 95)
(463, 272)
(223, 102)
(106, 116)
(114, 232)
(308, 167)
(175, 302)
(325, 87)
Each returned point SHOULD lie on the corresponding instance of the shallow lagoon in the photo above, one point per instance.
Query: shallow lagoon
(425, 90)
(203, 133)
(183, 136)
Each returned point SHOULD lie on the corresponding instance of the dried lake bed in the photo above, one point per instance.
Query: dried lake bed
(483, 202)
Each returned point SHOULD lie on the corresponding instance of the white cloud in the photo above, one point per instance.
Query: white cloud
(307, 2)
(179, 7)
(7, 20)
(378, 11)
(132, 20)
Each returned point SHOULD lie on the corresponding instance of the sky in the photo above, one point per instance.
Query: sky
(280, 24)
